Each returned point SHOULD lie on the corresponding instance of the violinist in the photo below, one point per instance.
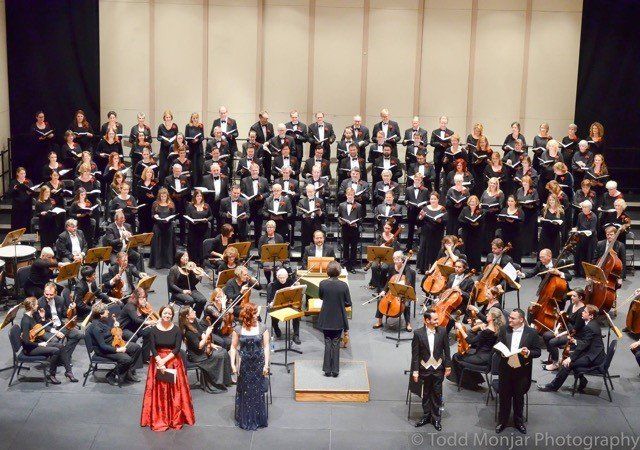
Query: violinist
(41, 272)
(21, 192)
(319, 249)
(146, 193)
(125, 357)
(430, 362)
(236, 286)
(460, 281)
(182, 281)
(134, 314)
(407, 277)
(212, 359)
(87, 292)
(588, 352)
(222, 328)
(117, 234)
(282, 280)
(618, 247)
(416, 197)
(71, 246)
(388, 211)
(270, 237)
(573, 322)
(481, 348)
(120, 277)
(586, 226)
(312, 215)
(39, 347)
(379, 270)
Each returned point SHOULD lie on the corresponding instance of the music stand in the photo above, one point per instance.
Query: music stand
(97, 255)
(380, 254)
(242, 247)
(146, 282)
(318, 264)
(594, 272)
(225, 276)
(138, 240)
(273, 253)
(68, 271)
(405, 292)
(284, 309)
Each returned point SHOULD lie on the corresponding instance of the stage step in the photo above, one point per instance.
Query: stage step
(310, 384)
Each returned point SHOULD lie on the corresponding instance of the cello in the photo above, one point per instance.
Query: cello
(449, 301)
(435, 281)
(632, 324)
(552, 290)
(391, 305)
(491, 276)
(603, 295)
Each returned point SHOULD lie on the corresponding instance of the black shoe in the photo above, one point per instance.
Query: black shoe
(546, 388)
(437, 425)
(583, 384)
(376, 326)
(70, 376)
(422, 422)
(327, 374)
(51, 378)
(131, 377)
(296, 339)
(111, 379)
(352, 270)
(334, 374)
(500, 428)
(521, 428)
(277, 332)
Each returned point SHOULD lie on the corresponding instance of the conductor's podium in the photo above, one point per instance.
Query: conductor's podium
(310, 384)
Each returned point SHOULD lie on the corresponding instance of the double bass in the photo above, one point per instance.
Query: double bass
(491, 276)
(435, 281)
(449, 301)
(552, 290)
(603, 295)
(391, 305)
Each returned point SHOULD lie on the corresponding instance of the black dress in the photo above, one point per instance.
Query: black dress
(146, 195)
(86, 142)
(510, 230)
(472, 235)
(106, 148)
(480, 353)
(431, 233)
(163, 244)
(87, 221)
(50, 224)
(529, 202)
(456, 200)
(21, 204)
(166, 137)
(491, 205)
(216, 367)
(198, 231)
(551, 225)
(539, 146)
(194, 135)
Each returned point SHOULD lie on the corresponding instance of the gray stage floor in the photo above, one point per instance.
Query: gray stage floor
(101, 416)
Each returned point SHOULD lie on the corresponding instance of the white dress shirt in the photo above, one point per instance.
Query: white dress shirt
(234, 212)
(320, 132)
(385, 129)
(54, 313)
(318, 253)
(76, 249)
(516, 337)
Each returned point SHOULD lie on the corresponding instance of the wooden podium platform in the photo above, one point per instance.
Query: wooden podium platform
(310, 384)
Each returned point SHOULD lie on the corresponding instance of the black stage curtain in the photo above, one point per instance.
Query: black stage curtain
(609, 83)
(54, 65)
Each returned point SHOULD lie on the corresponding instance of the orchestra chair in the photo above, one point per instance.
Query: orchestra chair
(413, 388)
(601, 370)
(485, 370)
(95, 360)
(19, 358)
(495, 387)
(192, 367)
(631, 253)
(22, 276)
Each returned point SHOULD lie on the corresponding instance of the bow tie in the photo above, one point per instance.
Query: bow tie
(349, 203)
(223, 121)
(354, 159)
(320, 126)
(385, 123)
(387, 157)
(276, 199)
(216, 178)
(234, 201)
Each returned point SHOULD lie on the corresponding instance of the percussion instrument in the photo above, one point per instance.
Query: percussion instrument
(17, 256)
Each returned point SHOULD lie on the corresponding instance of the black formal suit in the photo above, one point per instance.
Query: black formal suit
(332, 320)
(278, 164)
(261, 138)
(73, 335)
(343, 149)
(64, 248)
(313, 136)
(281, 220)
(231, 134)
(240, 227)
(363, 191)
(81, 289)
(307, 167)
(361, 135)
(310, 251)
(276, 143)
(256, 203)
(466, 286)
(131, 273)
(539, 267)
(300, 137)
(244, 164)
(395, 210)
(514, 383)
(618, 247)
(393, 132)
(345, 165)
(112, 239)
(379, 193)
(503, 261)
(410, 280)
(431, 377)
(311, 222)
(214, 198)
(440, 146)
(101, 340)
(321, 185)
(375, 151)
(350, 234)
(411, 195)
(290, 188)
(179, 198)
(394, 163)
(408, 135)
(178, 282)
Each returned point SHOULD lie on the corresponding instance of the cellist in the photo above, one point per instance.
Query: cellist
(618, 247)
(573, 322)
(461, 282)
(545, 264)
(282, 280)
(409, 279)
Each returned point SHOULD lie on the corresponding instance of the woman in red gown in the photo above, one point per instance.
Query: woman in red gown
(166, 404)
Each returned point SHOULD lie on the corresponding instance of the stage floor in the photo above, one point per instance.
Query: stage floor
(101, 416)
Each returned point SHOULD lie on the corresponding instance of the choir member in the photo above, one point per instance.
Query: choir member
(383, 186)
(184, 162)
(361, 188)
(70, 152)
(346, 141)
(194, 135)
(379, 269)
(388, 210)
(114, 187)
(552, 225)
(282, 280)
(280, 140)
(492, 201)
(433, 217)
(525, 169)
(82, 130)
(528, 199)
(375, 149)
(360, 132)
(179, 186)
(284, 159)
(71, 245)
(312, 217)
(416, 197)
(244, 165)
(609, 197)
(426, 170)
(299, 131)
(317, 160)
(596, 138)
(587, 226)
(235, 211)
(126, 203)
(255, 189)
(21, 192)
(167, 132)
(182, 282)
(50, 216)
(471, 220)
(228, 128)
(546, 161)
(317, 249)
(564, 179)
(581, 161)
(263, 130)
(321, 133)
(113, 124)
(108, 145)
(479, 159)
(57, 188)
(137, 153)
(540, 145)
(142, 127)
(147, 191)
(570, 142)
(86, 214)
(389, 128)
(454, 153)
(510, 226)
(217, 149)
(457, 196)
(42, 135)
(53, 166)
(198, 216)
(271, 236)
(584, 193)
(163, 244)
(472, 138)
(510, 140)
(617, 219)
(394, 272)
(598, 175)
(320, 183)
(415, 139)
(217, 187)
(350, 214)
(468, 179)
(494, 169)
(386, 162)
(348, 162)
(513, 160)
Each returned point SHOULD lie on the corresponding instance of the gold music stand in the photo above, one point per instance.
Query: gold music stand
(13, 237)
(146, 282)
(225, 276)
(318, 264)
(68, 271)
(380, 254)
(594, 272)
(97, 255)
(138, 240)
(272, 253)
(11, 316)
(445, 270)
(404, 292)
(242, 247)
(284, 309)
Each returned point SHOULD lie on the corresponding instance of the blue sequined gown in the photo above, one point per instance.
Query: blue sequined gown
(251, 407)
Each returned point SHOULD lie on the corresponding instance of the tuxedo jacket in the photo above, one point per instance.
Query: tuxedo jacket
(408, 135)
(212, 199)
(304, 203)
(314, 136)
(112, 236)
(225, 207)
(299, 138)
(420, 351)
(378, 193)
(437, 143)
(285, 205)
(357, 212)
(396, 169)
(81, 289)
(410, 196)
(63, 245)
(246, 187)
(465, 286)
(243, 171)
(61, 309)
(221, 145)
(278, 164)
(343, 148)
(310, 250)
(232, 129)
(344, 168)
(260, 136)
(276, 143)
(531, 340)
(361, 135)
(169, 183)
(131, 273)
(310, 162)
(589, 344)
(393, 132)
(363, 187)
(539, 267)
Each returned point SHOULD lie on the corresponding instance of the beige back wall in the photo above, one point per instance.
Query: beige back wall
(489, 61)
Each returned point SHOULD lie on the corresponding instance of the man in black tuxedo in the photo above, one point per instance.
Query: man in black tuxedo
(311, 211)
(588, 351)
(71, 244)
(298, 131)
(231, 212)
(321, 133)
(430, 362)
(86, 284)
(264, 132)
(179, 187)
(360, 134)
(229, 129)
(390, 129)
(290, 188)
(386, 162)
(515, 372)
(130, 274)
(218, 184)
(276, 143)
(440, 141)
(318, 249)
(277, 207)
(546, 263)
(116, 236)
(255, 188)
(317, 159)
(284, 159)
(618, 247)
(243, 168)
(416, 197)
(360, 187)
(345, 142)
(352, 160)
(350, 214)
(415, 128)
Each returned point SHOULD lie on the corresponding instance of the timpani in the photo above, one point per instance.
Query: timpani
(14, 257)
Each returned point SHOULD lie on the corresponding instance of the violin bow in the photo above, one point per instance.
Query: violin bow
(136, 332)
(64, 326)
(232, 305)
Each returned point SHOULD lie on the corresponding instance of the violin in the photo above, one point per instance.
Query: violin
(147, 310)
(193, 268)
(116, 288)
(386, 243)
(551, 291)
(38, 331)
(603, 295)
(435, 281)
(491, 276)
(116, 333)
(449, 301)
(391, 305)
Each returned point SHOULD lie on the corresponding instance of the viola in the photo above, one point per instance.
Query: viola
(391, 305)
(118, 285)
(491, 276)
(116, 333)
(37, 331)
(435, 281)
(449, 301)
